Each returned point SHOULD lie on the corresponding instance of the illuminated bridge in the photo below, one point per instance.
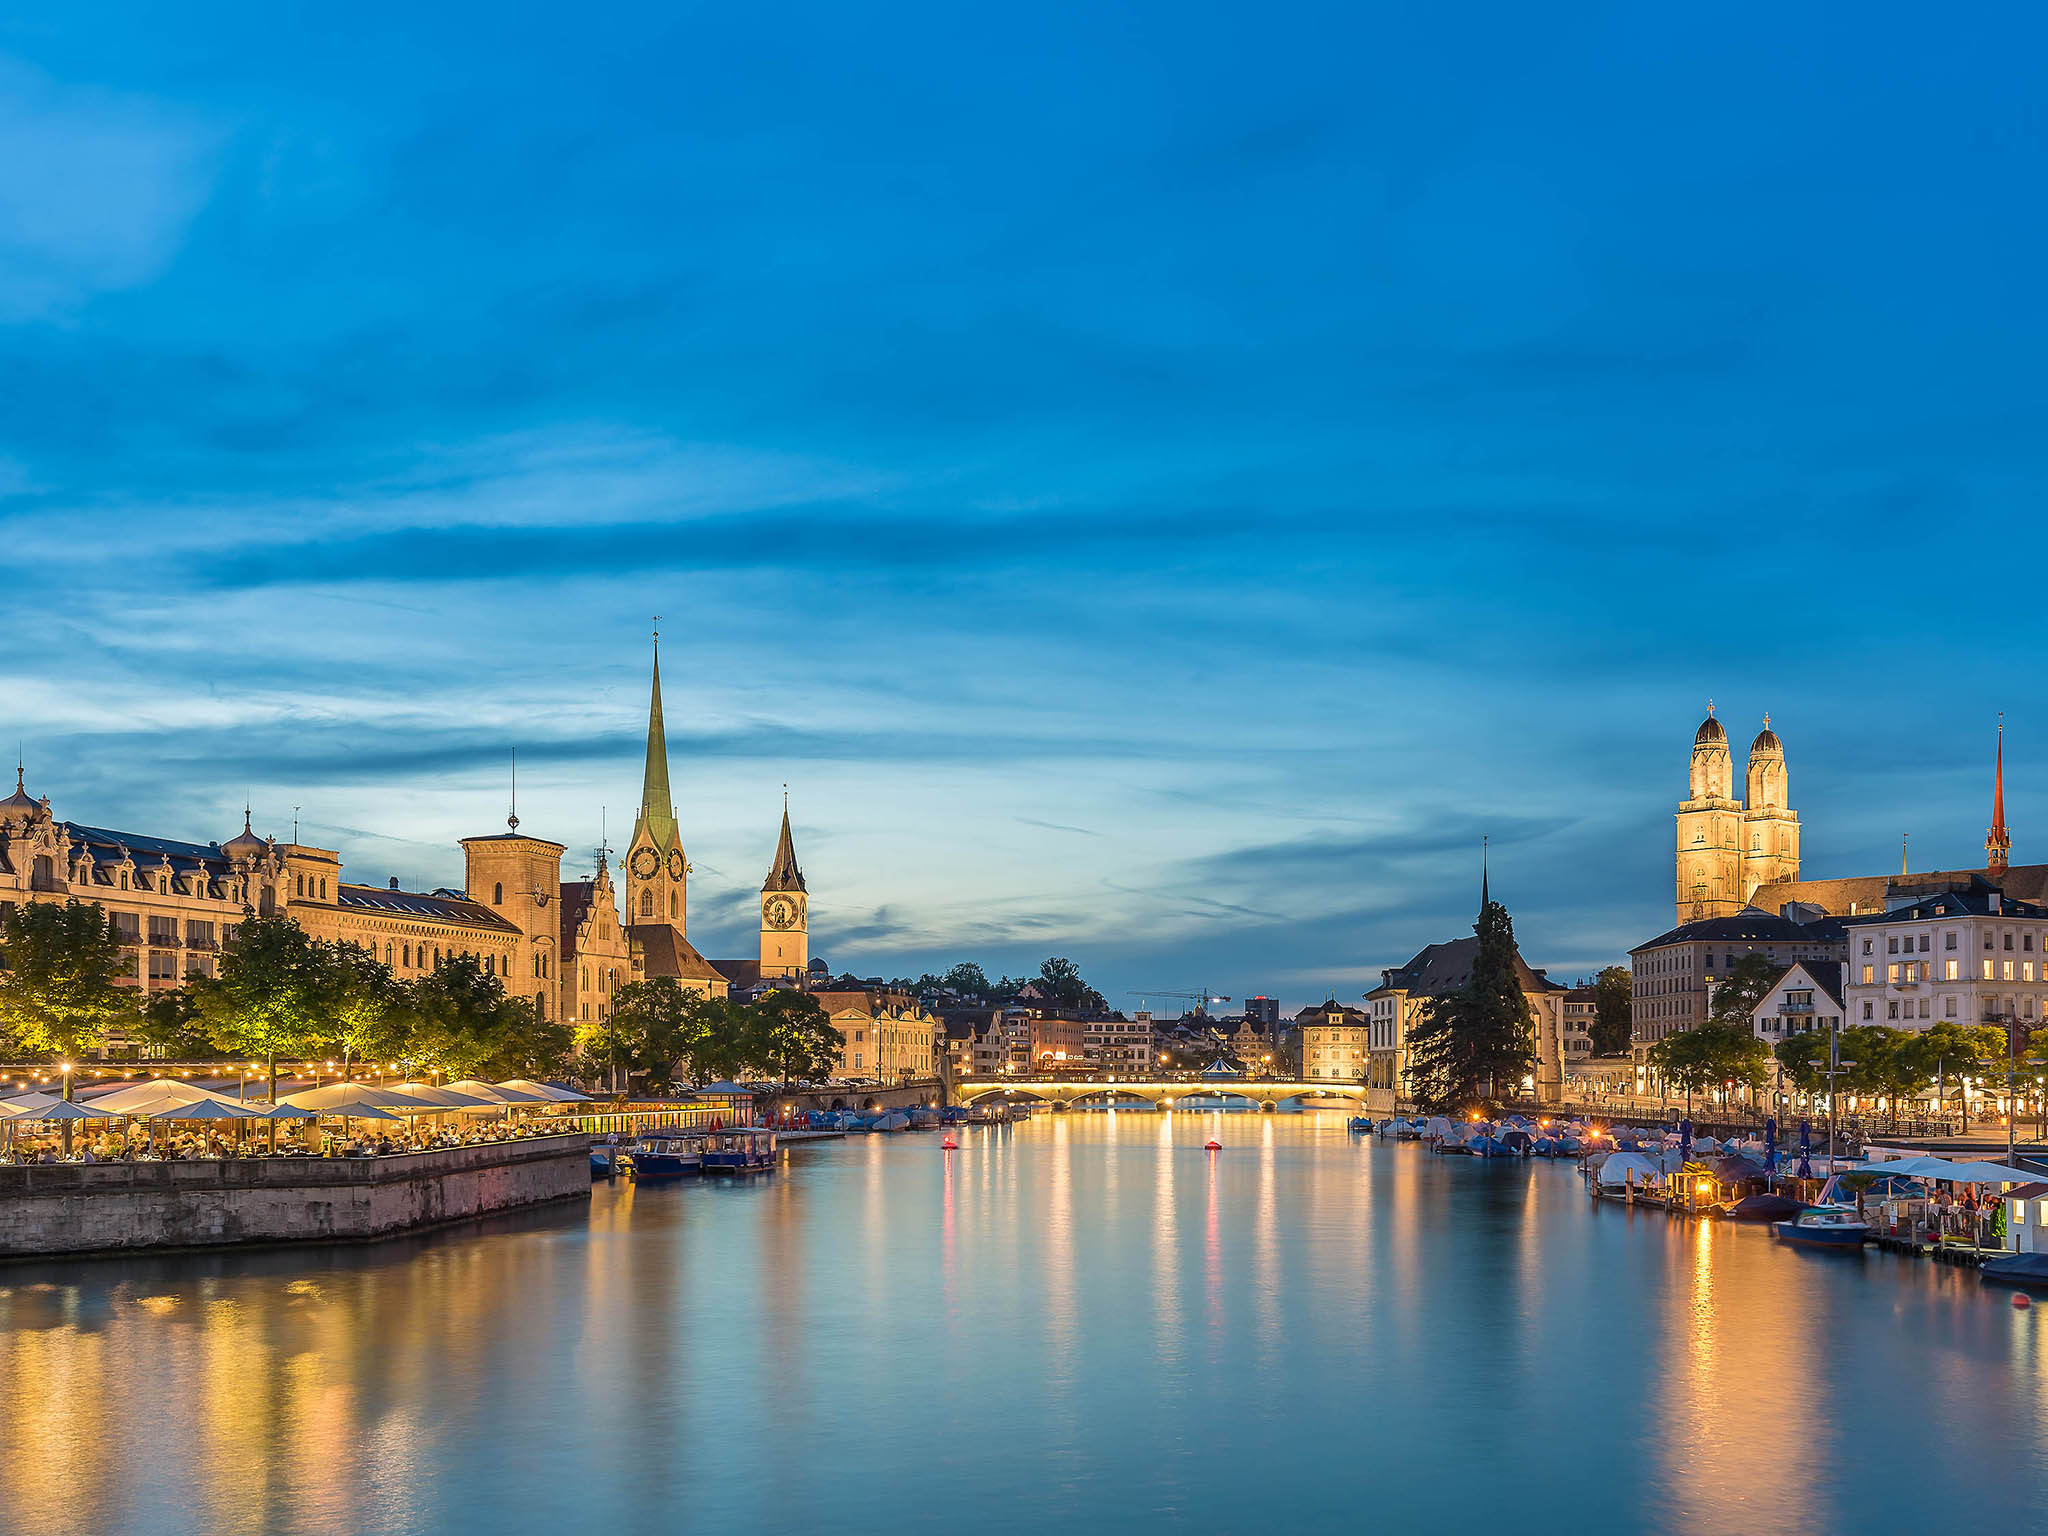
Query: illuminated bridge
(1065, 1093)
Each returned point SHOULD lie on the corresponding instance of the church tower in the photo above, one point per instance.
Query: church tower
(785, 913)
(1770, 828)
(1709, 860)
(1998, 841)
(657, 893)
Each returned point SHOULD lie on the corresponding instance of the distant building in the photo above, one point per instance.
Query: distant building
(1117, 1044)
(1807, 995)
(1396, 1005)
(1576, 1011)
(1727, 847)
(887, 1034)
(1263, 1011)
(1335, 1042)
(1967, 955)
(1673, 975)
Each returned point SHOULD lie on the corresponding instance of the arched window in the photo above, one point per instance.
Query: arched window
(646, 897)
(672, 905)
(387, 952)
(498, 894)
(323, 887)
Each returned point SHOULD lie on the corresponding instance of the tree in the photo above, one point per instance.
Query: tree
(660, 1025)
(60, 992)
(1748, 982)
(1061, 978)
(270, 996)
(462, 1022)
(801, 1043)
(1796, 1057)
(1613, 1017)
(1710, 1057)
(1479, 1040)
(969, 980)
(171, 1024)
(364, 1004)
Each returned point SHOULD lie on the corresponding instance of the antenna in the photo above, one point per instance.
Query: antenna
(512, 820)
(295, 826)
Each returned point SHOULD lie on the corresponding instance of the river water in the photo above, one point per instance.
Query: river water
(1084, 1323)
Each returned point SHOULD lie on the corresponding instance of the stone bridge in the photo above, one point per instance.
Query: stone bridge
(1267, 1094)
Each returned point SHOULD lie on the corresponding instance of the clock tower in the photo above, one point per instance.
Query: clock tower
(657, 872)
(785, 913)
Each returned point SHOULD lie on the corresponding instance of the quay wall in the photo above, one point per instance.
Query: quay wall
(62, 1208)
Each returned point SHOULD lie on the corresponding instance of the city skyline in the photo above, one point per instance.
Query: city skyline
(1158, 497)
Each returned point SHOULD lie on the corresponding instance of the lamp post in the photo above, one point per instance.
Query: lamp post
(1834, 1065)
(2011, 1064)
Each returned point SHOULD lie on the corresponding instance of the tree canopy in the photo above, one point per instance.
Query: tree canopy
(1479, 1041)
(60, 992)
(1613, 1017)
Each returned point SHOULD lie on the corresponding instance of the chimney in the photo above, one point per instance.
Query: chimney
(394, 882)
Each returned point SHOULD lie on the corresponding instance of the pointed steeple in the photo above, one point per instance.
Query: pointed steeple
(1484, 901)
(657, 810)
(1998, 842)
(783, 874)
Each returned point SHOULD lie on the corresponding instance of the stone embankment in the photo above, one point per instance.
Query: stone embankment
(63, 1208)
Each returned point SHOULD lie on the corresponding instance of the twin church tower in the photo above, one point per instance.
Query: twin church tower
(657, 888)
(1727, 848)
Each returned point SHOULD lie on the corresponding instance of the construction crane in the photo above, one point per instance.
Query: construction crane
(1199, 999)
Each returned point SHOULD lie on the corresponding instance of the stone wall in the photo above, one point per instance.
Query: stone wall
(96, 1207)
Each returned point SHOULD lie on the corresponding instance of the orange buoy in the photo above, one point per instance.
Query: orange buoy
(1212, 1145)
(2021, 1299)
(949, 1145)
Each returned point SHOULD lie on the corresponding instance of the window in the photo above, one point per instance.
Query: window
(1892, 945)
(1869, 974)
(1925, 941)
(1948, 941)
(1891, 973)
(2008, 941)
(1949, 969)
(1866, 1009)
(2026, 970)
(1866, 946)
(1925, 1004)
(1987, 970)
(2007, 971)
(1948, 1008)
(647, 903)
(387, 952)
(1891, 1010)
(498, 894)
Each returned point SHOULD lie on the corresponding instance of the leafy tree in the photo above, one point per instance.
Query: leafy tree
(1796, 1055)
(1613, 1018)
(801, 1044)
(462, 1021)
(364, 1004)
(661, 1026)
(1748, 982)
(270, 996)
(732, 1043)
(1710, 1057)
(171, 1024)
(1481, 1039)
(969, 980)
(60, 992)
(1061, 978)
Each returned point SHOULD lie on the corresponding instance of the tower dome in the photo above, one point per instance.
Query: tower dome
(1767, 743)
(1710, 732)
(17, 807)
(1712, 777)
(1766, 786)
(245, 844)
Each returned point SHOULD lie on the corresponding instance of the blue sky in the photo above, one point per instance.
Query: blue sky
(1157, 482)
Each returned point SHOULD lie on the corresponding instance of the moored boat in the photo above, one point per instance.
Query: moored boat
(664, 1157)
(2029, 1269)
(1825, 1226)
(748, 1151)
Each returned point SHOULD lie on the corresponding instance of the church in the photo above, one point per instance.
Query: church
(1729, 848)
(657, 893)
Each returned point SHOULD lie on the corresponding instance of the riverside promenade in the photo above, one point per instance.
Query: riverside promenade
(82, 1208)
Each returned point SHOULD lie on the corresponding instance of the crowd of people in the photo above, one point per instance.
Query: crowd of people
(148, 1145)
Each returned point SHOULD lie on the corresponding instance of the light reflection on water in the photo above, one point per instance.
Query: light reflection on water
(1084, 1323)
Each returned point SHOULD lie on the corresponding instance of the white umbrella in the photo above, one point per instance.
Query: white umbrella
(201, 1109)
(359, 1101)
(158, 1097)
(494, 1095)
(447, 1098)
(52, 1108)
(545, 1090)
(287, 1112)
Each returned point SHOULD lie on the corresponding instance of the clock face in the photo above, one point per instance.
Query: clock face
(645, 862)
(781, 912)
(675, 863)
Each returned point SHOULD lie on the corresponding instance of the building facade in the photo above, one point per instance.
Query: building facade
(1335, 1042)
(1395, 1007)
(1728, 847)
(1967, 955)
(886, 1035)
(1807, 995)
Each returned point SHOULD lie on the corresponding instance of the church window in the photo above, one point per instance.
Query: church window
(498, 894)
(408, 957)
(672, 907)
(387, 952)
(647, 903)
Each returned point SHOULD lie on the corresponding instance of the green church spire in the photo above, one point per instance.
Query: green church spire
(657, 810)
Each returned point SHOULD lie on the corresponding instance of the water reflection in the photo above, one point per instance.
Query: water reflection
(888, 1337)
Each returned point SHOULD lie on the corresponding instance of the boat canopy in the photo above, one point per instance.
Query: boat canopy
(1619, 1165)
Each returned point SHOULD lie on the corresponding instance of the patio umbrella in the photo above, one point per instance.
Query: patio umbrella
(158, 1097)
(495, 1095)
(288, 1112)
(546, 1091)
(360, 1101)
(202, 1109)
(447, 1098)
(63, 1109)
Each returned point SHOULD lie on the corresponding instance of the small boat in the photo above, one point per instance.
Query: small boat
(1361, 1124)
(890, 1120)
(1771, 1208)
(1825, 1226)
(749, 1151)
(603, 1162)
(2016, 1269)
(664, 1157)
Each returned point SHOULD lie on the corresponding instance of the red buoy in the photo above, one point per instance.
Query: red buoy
(949, 1145)
(2021, 1299)
(1212, 1145)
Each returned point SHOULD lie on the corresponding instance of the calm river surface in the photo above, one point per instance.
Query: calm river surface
(1080, 1324)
